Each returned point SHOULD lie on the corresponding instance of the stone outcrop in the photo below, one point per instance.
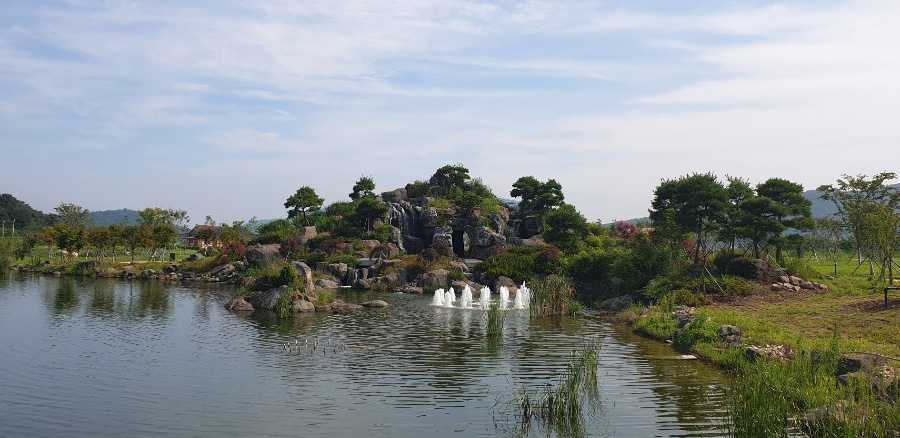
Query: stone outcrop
(375, 303)
(239, 305)
(780, 352)
(263, 254)
(435, 279)
(269, 299)
(616, 304)
(730, 335)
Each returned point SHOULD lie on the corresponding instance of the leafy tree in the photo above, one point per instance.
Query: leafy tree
(565, 227)
(364, 188)
(451, 175)
(757, 220)
(792, 210)
(14, 212)
(694, 202)
(537, 197)
(180, 218)
(100, 239)
(238, 231)
(738, 190)
(69, 238)
(277, 231)
(368, 209)
(854, 196)
(75, 216)
(136, 236)
(302, 202)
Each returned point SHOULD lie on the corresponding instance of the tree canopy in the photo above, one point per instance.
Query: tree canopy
(694, 202)
(537, 197)
(364, 188)
(302, 202)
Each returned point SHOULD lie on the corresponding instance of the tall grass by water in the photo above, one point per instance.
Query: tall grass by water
(561, 407)
(495, 320)
(802, 396)
(553, 296)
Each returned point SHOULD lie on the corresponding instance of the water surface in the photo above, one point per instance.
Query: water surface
(96, 357)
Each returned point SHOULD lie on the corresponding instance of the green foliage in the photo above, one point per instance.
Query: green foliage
(592, 263)
(276, 231)
(349, 260)
(454, 275)
(452, 175)
(701, 329)
(285, 301)
(7, 255)
(692, 202)
(495, 319)
(418, 189)
(519, 263)
(565, 227)
(642, 263)
(364, 188)
(381, 233)
(734, 286)
(13, 210)
(553, 296)
(537, 197)
(366, 210)
(659, 324)
(289, 277)
(73, 216)
(733, 263)
(303, 201)
(801, 268)
(685, 297)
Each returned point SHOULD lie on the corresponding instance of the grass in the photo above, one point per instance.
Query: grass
(553, 296)
(495, 319)
(561, 406)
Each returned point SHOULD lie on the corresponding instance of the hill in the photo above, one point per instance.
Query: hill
(111, 217)
(12, 209)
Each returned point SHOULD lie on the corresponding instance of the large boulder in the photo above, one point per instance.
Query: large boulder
(484, 237)
(339, 270)
(302, 306)
(263, 254)
(435, 279)
(616, 304)
(306, 234)
(269, 299)
(730, 335)
(504, 281)
(443, 235)
(397, 277)
(429, 218)
(327, 283)
(375, 303)
(239, 305)
(395, 195)
(305, 274)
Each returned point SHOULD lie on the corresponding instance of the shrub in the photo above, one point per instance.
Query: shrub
(233, 251)
(518, 266)
(701, 329)
(289, 277)
(276, 231)
(735, 286)
(643, 263)
(418, 189)
(799, 267)
(455, 275)
(732, 263)
(548, 260)
(381, 233)
(553, 296)
(591, 264)
(684, 297)
(349, 260)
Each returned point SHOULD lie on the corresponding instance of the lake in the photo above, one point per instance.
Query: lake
(85, 357)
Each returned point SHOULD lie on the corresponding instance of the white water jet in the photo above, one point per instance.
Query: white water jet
(449, 298)
(485, 298)
(526, 296)
(466, 300)
(517, 302)
(438, 299)
(504, 297)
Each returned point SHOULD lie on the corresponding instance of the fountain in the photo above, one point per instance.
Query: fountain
(485, 298)
(525, 292)
(504, 297)
(466, 300)
(449, 298)
(438, 299)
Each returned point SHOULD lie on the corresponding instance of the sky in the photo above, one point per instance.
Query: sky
(226, 107)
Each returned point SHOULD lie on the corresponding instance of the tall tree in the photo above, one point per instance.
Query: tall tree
(302, 202)
(757, 219)
(367, 210)
(738, 190)
(854, 196)
(75, 216)
(364, 188)
(565, 227)
(792, 209)
(694, 202)
(537, 197)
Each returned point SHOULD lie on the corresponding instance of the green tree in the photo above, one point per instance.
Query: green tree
(364, 188)
(537, 197)
(565, 227)
(854, 196)
(450, 176)
(75, 216)
(100, 239)
(694, 202)
(69, 238)
(368, 209)
(302, 202)
(738, 190)
(136, 236)
(792, 210)
(757, 219)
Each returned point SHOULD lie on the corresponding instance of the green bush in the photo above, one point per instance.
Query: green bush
(799, 267)
(520, 264)
(735, 286)
(276, 231)
(701, 329)
(455, 275)
(349, 260)
(659, 324)
(643, 263)
(684, 297)
(591, 264)
(289, 277)
(733, 263)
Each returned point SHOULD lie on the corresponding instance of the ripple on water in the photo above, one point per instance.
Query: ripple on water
(95, 358)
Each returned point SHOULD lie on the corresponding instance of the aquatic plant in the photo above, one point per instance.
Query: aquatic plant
(553, 296)
(561, 406)
(495, 320)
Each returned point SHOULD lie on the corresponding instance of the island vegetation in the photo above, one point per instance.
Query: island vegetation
(741, 275)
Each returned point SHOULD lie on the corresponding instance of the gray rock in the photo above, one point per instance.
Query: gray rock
(534, 240)
(730, 335)
(851, 363)
(339, 270)
(375, 303)
(239, 305)
(807, 285)
(306, 234)
(326, 283)
(194, 257)
(302, 306)
(443, 235)
(410, 289)
(263, 254)
(616, 304)
(429, 218)
(305, 273)
(395, 278)
(435, 279)
(777, 287)
(784, 279)
(224, 270)
(780, 352)
(795, 280)
(458, 285)
(504, 281)
(396, 195)
(269, 299)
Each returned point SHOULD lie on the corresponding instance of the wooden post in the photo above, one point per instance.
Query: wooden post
(835, 267)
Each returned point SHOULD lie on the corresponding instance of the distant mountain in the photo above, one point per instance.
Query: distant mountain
(111, 217)
(821, 207)
(12, 209)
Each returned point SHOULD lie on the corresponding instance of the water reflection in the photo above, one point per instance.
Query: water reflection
(169, 354)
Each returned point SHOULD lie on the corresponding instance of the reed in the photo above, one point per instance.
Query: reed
(561, 406)
(495, 321)
(553, 296)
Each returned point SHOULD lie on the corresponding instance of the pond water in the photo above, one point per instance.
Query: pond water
(95, 357)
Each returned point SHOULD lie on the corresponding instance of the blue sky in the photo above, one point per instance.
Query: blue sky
(225, 108)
